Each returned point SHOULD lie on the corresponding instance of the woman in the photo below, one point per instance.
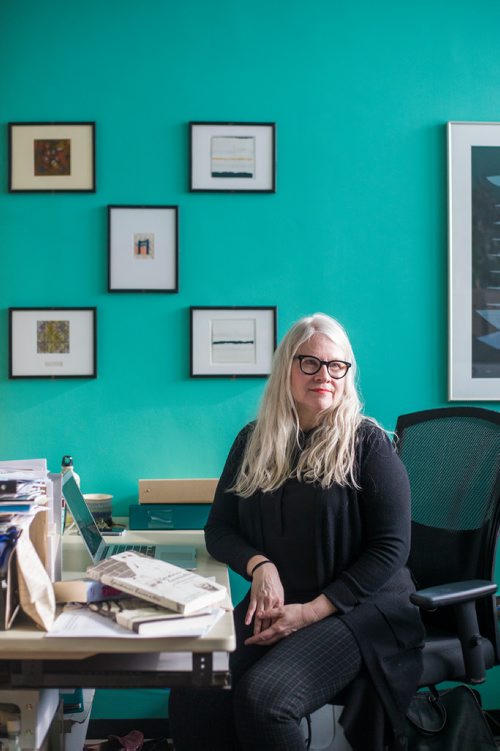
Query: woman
(313, 508)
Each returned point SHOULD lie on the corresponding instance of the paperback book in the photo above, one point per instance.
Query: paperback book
(146, 619)
(158, 582)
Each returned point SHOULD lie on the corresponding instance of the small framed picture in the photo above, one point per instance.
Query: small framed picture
(232, 342)
(52, 157)
(52, 343)
(232, 157)
(474, 260)
(143, 251)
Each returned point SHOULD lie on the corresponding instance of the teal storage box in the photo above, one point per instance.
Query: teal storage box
(168, 515)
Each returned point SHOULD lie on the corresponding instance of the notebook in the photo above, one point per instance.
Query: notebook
(179, 555)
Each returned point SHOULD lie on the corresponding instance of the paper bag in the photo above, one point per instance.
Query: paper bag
(36, 593)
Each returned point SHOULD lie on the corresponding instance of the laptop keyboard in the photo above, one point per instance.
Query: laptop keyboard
(145, 549)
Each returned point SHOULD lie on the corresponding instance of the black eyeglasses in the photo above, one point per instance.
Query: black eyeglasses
(310, 365)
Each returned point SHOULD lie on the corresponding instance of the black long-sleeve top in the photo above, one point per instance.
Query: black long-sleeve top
(359, 544)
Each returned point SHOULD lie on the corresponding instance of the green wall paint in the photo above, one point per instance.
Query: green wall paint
(360, 93)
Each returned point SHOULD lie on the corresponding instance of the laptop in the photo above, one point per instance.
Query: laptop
(180, 555)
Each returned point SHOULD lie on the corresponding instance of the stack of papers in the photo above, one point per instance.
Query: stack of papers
(22, 484)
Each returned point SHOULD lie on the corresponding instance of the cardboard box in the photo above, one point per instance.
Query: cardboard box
(177, 491)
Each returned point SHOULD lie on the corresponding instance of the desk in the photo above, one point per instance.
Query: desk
(30, 659)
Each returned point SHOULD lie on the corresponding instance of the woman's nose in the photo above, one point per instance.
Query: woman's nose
(323, 374)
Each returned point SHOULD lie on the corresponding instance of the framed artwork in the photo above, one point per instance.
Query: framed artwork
(232, 157)
(52, 157)
(52, 343)
(232, 342)
(474, 260)
(143, 251)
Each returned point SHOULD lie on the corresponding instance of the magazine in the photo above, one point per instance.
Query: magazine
(157, 581)
(146, 619)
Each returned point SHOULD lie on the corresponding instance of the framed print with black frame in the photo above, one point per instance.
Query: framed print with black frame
(232, 342)
(143, 252)
(474, 260)
(232, 157)
(52, 157)
(52, 342)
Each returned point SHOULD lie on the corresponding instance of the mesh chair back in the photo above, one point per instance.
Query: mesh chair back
(452, 456)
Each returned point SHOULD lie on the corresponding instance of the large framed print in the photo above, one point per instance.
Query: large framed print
(232, 157)
(231, 342)
(474, 260)
(52, 343)
(52, 157)
(143, 248)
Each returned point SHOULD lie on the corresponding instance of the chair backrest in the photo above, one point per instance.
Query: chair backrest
(452, 456)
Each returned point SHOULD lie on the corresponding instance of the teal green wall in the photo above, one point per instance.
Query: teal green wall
(360, 93)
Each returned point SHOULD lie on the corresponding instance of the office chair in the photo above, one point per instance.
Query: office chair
(452, 456)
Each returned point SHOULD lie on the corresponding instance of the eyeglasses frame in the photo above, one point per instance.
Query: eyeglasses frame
(327, 363)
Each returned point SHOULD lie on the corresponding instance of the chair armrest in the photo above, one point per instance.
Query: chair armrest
(443, 595)
(462, 597)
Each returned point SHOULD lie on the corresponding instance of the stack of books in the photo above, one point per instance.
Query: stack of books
(149, 597)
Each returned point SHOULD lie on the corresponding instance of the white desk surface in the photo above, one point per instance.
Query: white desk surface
(25, 642)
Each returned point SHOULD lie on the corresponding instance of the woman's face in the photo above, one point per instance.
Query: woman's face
(313, 394)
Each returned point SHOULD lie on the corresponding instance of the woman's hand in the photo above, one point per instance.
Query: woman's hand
(284, 620)
(266, 593)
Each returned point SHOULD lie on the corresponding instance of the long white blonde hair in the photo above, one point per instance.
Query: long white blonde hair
(329, 454)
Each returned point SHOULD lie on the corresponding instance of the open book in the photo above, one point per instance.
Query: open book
(157, 581)
(152, 620)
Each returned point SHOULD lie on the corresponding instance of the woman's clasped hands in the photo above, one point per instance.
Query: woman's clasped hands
(278, 622)
(272, 619)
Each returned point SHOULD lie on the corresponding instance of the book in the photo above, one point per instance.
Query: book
(147, 619)
(84, 590)
(157, 581)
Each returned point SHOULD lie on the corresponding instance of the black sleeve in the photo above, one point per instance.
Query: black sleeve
(223, 536)
(385, 509)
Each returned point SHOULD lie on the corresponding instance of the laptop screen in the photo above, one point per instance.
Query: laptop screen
(81, 514)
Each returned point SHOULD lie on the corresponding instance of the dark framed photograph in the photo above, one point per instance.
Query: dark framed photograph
(143, 248)
(232, 342)
(232, 157)
(474, 260)
(52, 342)
(52, 157)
